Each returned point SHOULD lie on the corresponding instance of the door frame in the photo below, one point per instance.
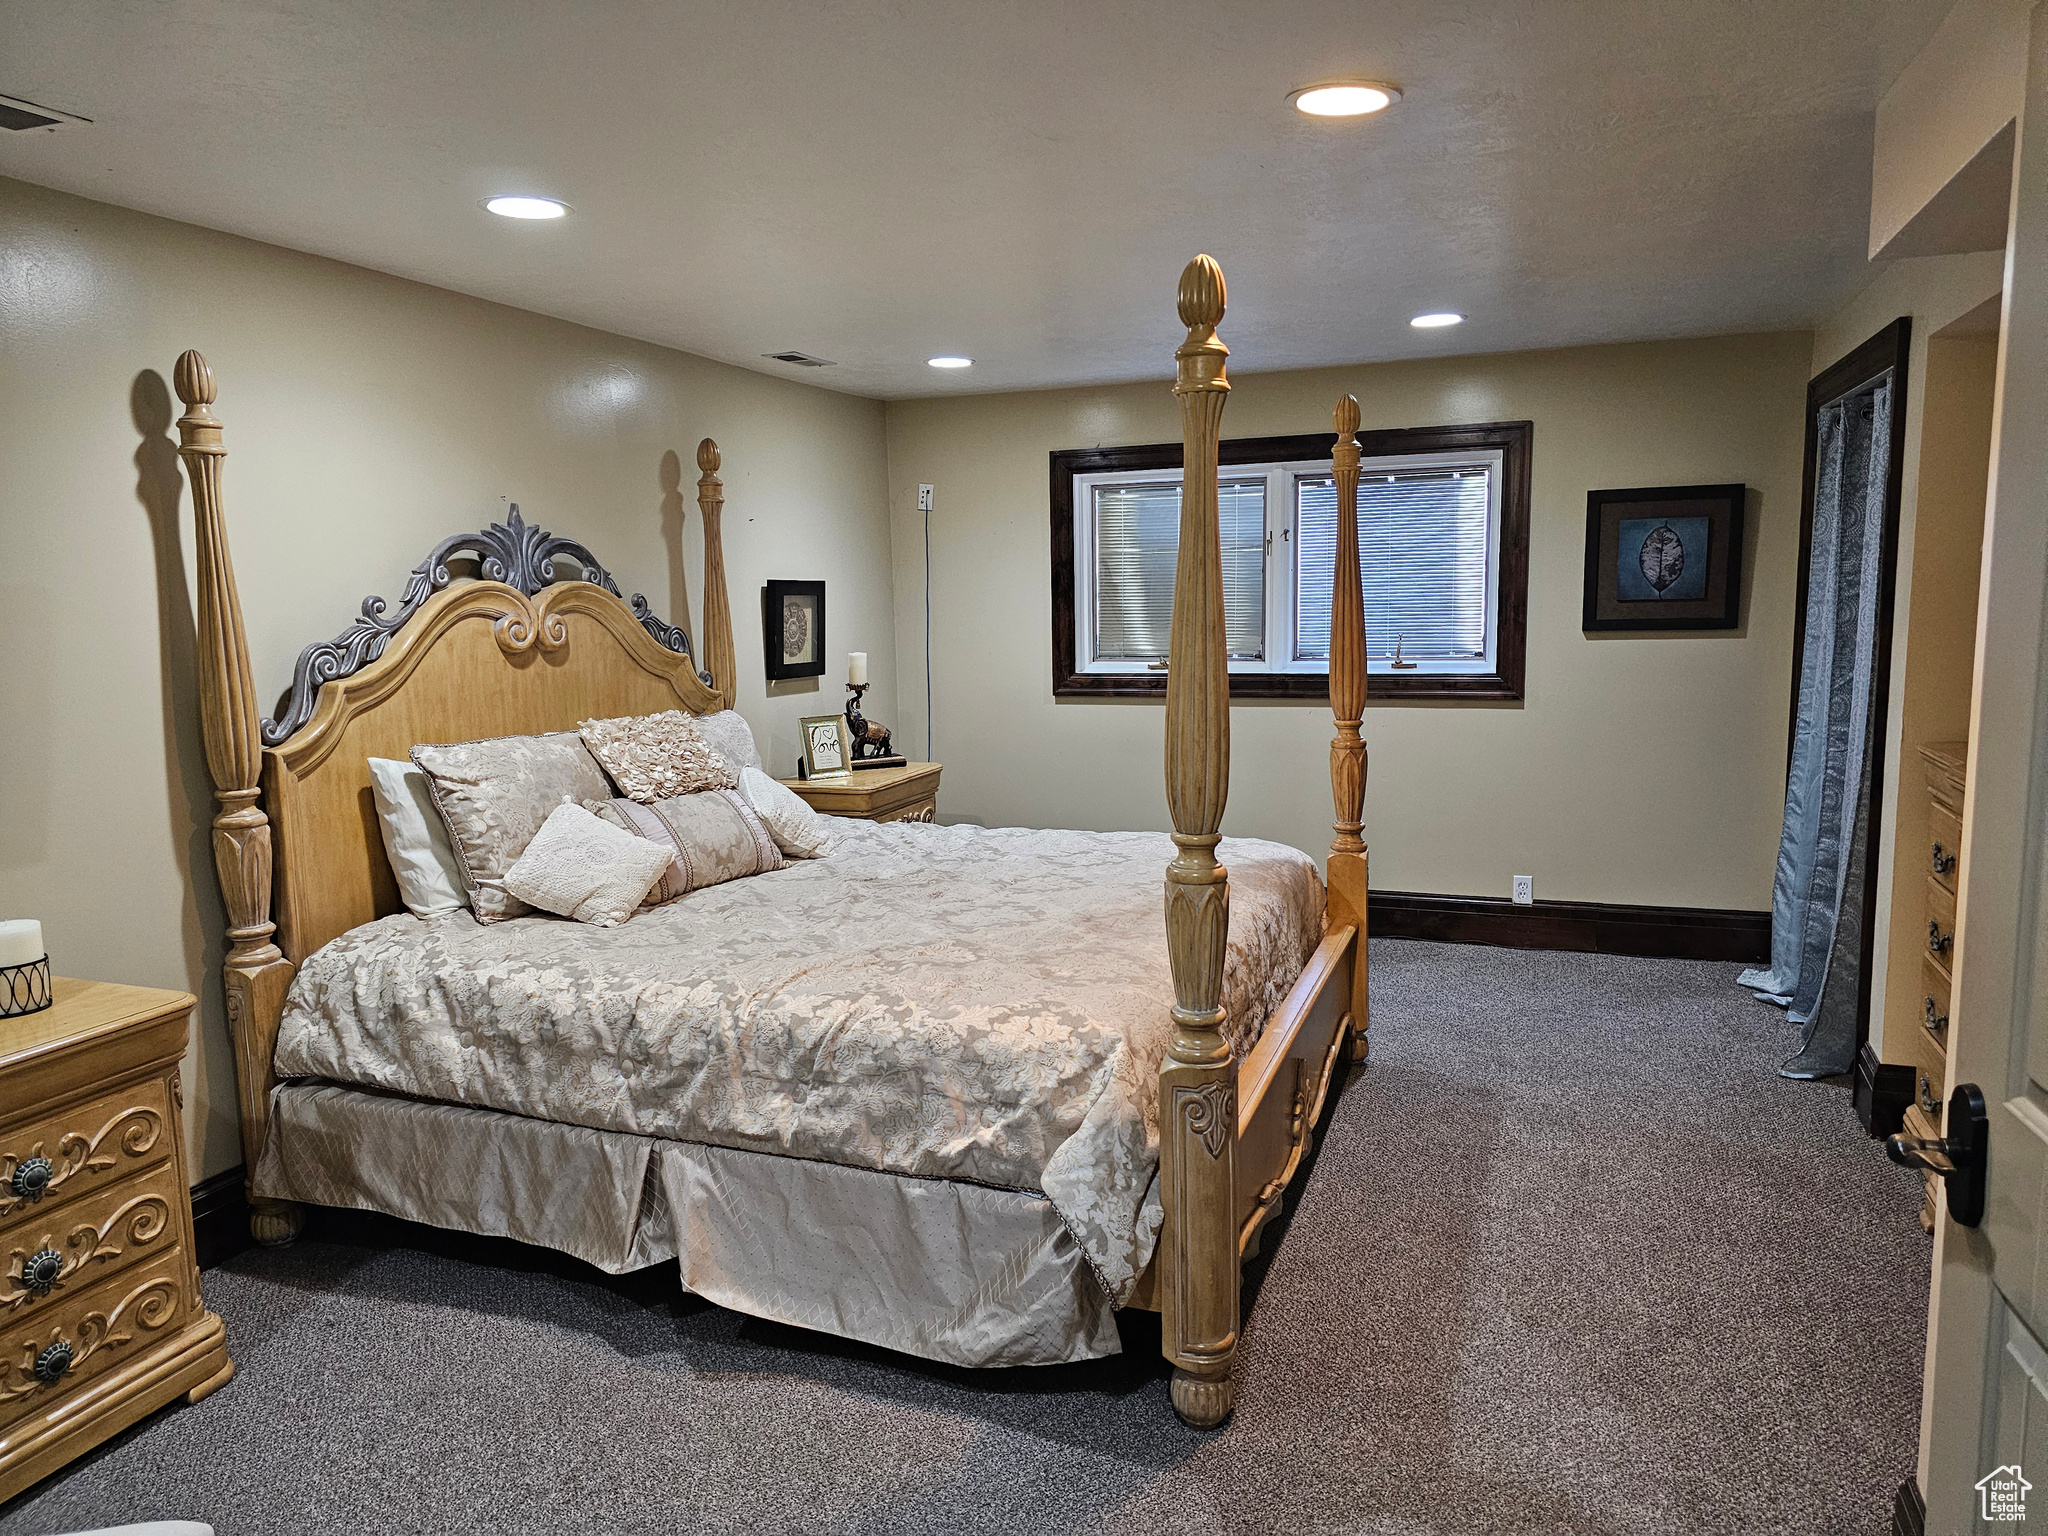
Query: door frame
(1998, 969)
(1889, 351)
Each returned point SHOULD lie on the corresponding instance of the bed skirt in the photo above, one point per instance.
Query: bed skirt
(936, 1268)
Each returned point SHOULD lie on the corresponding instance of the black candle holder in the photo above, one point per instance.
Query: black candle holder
(24, 988)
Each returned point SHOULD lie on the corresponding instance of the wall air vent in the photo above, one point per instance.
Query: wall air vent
(800, 359)
(18, 116)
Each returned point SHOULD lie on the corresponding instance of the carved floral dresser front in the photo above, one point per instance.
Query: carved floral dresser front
(101, 1320)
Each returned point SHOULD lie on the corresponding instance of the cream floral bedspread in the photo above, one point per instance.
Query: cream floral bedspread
(953, 1002)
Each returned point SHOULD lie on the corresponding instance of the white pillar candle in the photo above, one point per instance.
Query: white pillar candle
(857, 667)
(21, 941)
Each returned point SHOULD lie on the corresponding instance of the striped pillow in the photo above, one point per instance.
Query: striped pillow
(716, 836)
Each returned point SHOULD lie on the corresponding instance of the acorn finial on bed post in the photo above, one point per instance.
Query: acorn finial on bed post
(1347, 865)
(256, 971)
(718, 652)
(1197, 1077)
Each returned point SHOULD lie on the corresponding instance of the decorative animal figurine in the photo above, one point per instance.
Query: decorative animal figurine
(870, 739)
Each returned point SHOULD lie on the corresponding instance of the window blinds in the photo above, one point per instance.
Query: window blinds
(1137, 541)
(1422, 546)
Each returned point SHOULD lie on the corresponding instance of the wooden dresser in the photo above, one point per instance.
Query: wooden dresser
(101, 1320)
(1926, 1050)
(909, 793)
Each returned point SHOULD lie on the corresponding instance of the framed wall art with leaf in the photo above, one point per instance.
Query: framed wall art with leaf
(1667, 557)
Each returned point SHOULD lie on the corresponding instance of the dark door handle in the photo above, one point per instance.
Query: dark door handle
(1957, 1158)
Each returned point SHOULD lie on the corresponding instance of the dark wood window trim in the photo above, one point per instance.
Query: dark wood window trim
(1889, 351)
(1514, 439)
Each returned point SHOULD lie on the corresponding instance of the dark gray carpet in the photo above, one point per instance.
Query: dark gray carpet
(1571, 1259)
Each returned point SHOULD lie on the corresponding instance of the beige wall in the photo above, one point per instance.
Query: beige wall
(1959, 91)
(1640, 768)
(367, 417)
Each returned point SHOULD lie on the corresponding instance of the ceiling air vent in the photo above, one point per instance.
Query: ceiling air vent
(18, 116)
(800, 359)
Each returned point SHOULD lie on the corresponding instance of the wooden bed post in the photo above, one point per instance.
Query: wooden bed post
(1197, 1078)
(1347, 868)
(718, 652)
(256, 971)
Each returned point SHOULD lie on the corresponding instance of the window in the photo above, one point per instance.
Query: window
(1443, 543)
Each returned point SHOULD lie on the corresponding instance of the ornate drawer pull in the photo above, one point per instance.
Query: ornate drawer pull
(1944, 863)
(40, 1270)
(1930, 1102)
(1938, 943)
(32, 1178)
(53, 1362)
(1934, 1023)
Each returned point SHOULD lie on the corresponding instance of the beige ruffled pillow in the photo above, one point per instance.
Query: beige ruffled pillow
(653, 757)
(581, 866)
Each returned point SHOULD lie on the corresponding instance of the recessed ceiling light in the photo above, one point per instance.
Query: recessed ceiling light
(526, 207)
(1437, 321)
(950, 362)
(1345, 98)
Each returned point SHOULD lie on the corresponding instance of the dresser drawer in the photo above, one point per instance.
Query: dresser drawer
(1930, 1073)
(92, 1144)
(1934, 993)
(1940, 932)
(55, 1250)
(55, 1350)
(1945, 845)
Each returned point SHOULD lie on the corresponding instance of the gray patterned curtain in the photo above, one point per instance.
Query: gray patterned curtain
(1817, 916)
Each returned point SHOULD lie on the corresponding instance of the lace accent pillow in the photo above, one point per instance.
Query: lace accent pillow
(494, 795)
(581, 866)
(799, 831)
(651, 757)
(732, 738)
(712, 837)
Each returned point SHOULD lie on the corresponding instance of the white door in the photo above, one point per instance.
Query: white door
(1985, 1414)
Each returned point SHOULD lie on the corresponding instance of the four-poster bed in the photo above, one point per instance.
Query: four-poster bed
(338, 1108)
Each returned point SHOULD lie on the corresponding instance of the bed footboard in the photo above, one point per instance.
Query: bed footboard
(1283, 1082)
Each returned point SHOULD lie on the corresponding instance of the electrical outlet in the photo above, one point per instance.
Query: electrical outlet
(924, 498)
(1525, 890)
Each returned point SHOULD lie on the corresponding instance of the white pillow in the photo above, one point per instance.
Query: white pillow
(416, 839)
(729, 732)
(581, 866)
(799, 831)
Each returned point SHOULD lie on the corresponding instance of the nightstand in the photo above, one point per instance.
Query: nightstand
(100, 1316)
(909, 793)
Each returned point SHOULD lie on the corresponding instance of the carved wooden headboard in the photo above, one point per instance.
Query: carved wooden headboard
(518, 651)
(536, 640)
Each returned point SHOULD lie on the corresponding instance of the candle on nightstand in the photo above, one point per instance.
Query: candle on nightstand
(21, 941)
(856, 667)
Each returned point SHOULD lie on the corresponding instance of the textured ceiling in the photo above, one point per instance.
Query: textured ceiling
(877, 181)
